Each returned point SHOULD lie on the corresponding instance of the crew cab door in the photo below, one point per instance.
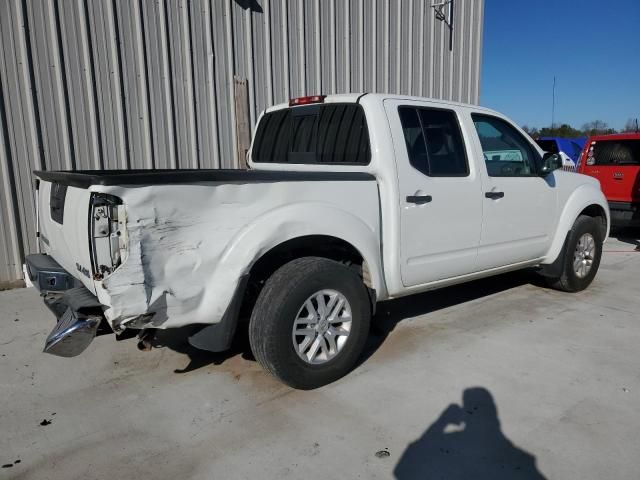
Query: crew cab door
(440, 204)
(519, 206)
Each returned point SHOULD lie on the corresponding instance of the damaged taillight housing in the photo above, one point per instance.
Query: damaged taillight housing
(108, 234)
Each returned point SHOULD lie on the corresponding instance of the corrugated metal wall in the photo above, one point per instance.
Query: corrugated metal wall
(92, 84)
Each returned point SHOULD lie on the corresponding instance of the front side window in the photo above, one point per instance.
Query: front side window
(327, 133)
(434, 142)
(506, 152)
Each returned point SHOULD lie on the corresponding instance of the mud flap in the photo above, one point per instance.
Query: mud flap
(218, 337)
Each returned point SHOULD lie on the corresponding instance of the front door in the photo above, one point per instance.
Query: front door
(519, 206)
(440, 203)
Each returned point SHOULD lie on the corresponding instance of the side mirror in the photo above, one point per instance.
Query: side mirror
(550, 162)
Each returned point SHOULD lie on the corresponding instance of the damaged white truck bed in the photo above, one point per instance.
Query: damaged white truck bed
(350, 200)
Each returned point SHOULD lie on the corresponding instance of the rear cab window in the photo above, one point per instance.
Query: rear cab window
(331, 133)
(614, 153)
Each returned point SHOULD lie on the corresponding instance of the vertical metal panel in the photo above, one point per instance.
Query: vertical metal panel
(204, 85)
(149, 83)
(21, 141)
(79, 76)
(10, 251)
(134, 83)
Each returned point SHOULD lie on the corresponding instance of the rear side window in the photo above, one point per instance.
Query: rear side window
(328, 133)
(434, 143)
(614, 152)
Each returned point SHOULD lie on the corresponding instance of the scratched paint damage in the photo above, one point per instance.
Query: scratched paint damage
(188, 245)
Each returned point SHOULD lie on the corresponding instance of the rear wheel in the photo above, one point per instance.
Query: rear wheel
(310, 322)
(582, 256)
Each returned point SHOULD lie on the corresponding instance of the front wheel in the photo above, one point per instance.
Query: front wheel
(310, 322)
(581, 257)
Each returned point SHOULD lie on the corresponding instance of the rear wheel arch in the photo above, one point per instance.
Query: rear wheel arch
(322, 246)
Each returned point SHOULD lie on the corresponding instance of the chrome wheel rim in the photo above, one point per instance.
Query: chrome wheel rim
(322, 327)
(584, 255)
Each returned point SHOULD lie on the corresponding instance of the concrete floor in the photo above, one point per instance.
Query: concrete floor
(562, 371)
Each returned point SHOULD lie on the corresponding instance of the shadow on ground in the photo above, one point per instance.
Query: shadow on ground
(177, 340)
(388, 315)
(466, 441)
(628, 235)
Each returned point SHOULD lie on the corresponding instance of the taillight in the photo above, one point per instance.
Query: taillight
(590, 158)
(307, 100)
(108, 234)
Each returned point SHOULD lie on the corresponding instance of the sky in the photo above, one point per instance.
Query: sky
(592, 47)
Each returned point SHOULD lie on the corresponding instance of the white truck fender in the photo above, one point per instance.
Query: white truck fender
(582, 197)
(303, 219)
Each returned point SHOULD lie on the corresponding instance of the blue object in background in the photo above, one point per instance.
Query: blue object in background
(571, 147)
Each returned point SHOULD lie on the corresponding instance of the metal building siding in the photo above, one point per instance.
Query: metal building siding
(92, 84)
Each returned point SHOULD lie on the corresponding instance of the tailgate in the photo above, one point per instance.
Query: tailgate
(63, 223)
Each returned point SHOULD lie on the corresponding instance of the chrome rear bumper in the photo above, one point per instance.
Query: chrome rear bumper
(72, 334)
(78, 311)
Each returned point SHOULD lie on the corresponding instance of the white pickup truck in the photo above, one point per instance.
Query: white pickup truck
(349, 200)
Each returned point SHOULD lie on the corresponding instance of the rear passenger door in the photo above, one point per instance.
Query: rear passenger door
(440, 203)
(519, 206)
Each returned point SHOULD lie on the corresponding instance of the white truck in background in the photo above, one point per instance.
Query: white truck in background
(349, 200)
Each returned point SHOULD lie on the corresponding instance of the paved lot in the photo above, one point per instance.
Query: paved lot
(561, 370)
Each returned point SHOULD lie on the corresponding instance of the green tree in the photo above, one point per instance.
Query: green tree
(597, 127)
(565, 131)
(532, 131)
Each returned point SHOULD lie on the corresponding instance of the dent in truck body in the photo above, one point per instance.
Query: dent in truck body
(189, 245)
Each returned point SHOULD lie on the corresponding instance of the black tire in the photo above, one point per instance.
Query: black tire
(569, 281)
(273, 316)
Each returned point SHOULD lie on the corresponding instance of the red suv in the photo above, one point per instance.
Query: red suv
(615, 161)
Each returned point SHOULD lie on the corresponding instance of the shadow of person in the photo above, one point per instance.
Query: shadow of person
(628, 235)
(466, 442)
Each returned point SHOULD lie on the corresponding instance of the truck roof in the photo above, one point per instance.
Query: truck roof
(355, 97)
(615, 136)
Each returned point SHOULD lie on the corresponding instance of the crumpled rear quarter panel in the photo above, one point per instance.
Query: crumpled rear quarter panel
(189, 244)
